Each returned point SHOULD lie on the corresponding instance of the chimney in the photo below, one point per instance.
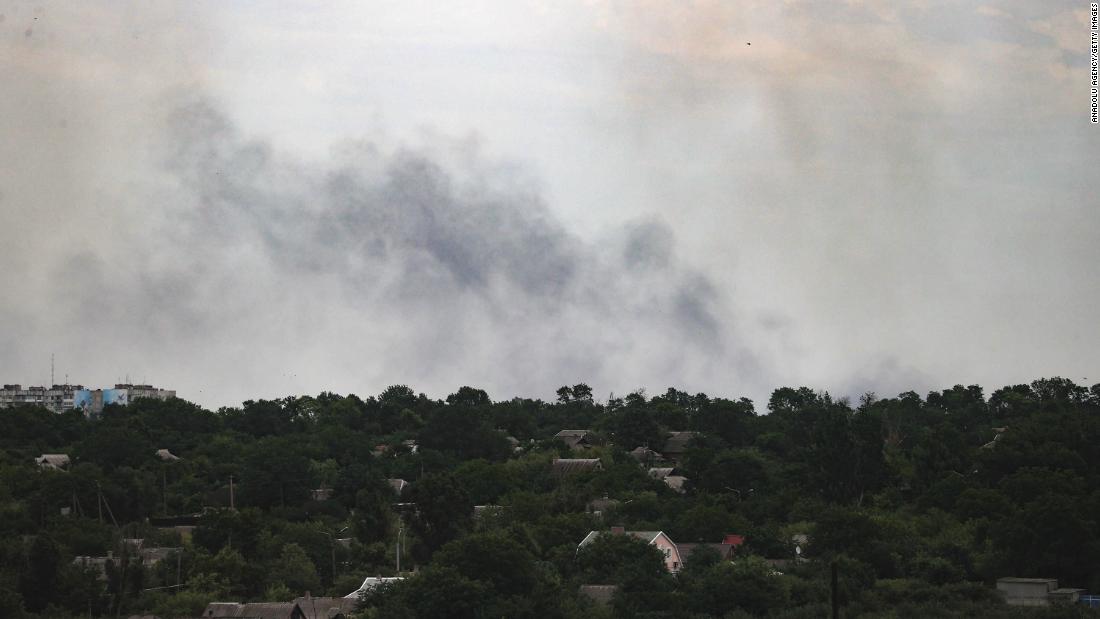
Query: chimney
(618, 530)
(307, 594)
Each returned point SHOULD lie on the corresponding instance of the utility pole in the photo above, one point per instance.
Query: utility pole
(232, 501)
(332, 546)
(99, 501)
(164, 486)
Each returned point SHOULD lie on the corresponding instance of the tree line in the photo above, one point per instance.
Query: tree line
(920, 502)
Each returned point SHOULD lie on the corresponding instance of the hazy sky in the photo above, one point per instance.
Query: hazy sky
(243, 200)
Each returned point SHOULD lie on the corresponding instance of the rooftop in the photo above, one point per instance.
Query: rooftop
(566, 466)
(677, 442)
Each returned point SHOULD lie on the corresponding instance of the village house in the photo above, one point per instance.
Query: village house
(326, 607)
(574, 439)
(561, 467)
(670, 477)
(398, 485)
(725, 548)
(370, 583)
(135, 550)
(53, 462)
(658, 539)
(676, 444)
(1036, 592)
(645, 456)
(152, 556)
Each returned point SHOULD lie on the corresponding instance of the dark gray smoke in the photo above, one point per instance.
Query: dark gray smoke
(421, 265)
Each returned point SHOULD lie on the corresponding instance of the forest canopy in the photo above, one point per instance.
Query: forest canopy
(921, 503)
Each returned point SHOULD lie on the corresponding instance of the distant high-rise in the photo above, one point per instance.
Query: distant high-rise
(60, 398)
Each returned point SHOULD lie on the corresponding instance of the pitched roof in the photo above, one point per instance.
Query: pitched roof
(166, 455)
(326, 607)
(676, 482)
(661, 472)
(724, 550)
(370, 583)
(398, 485)
(52, 461)
(645, 536)
(567, 466)
(572, 438)
(677, 442)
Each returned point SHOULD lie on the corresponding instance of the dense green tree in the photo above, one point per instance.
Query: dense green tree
(493, 558)
(462, 433)
(443, 511)
(275, 471)
(372, 520)
(434, 592)
(750, 585)
(469, 398)
(295, 570)
(39, 581)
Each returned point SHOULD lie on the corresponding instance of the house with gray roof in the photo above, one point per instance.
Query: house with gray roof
(326, 607)
(53, 462)
(669, 475)
(677, 444)
(1036, 592)
(561, 467)
(574, 439)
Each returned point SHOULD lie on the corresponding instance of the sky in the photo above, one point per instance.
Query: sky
(254, 200)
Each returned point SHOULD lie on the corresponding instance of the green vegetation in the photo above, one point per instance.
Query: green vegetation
(922, 503)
